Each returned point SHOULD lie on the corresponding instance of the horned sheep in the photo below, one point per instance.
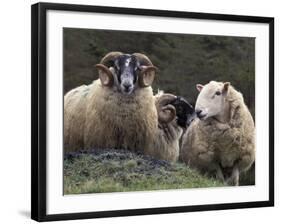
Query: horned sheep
(119, 110)
(222, 139)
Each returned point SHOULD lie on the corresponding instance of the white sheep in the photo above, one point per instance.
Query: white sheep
(120, 111)
(222, 138)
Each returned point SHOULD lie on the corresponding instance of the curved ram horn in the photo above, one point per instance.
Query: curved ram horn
(148, 70)
(143, 59)
(166, 112)
(108, 59)
(146, 76)
(105, 75)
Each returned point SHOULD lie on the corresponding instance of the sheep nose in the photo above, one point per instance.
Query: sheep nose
(127, 86)
(198, 112)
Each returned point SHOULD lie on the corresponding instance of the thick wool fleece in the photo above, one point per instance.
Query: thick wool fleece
(209, 143)
(97, 116)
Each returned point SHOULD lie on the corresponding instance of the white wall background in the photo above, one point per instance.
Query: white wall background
(15, 109)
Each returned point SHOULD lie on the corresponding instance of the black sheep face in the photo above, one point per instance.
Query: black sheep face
(127, 67)
(184, 111)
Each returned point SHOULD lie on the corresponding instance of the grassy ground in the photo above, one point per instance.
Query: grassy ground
(117, 171)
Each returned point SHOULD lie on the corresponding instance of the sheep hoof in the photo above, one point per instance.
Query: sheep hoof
(233, 180)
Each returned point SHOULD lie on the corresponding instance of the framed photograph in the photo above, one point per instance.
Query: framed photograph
(140, 111)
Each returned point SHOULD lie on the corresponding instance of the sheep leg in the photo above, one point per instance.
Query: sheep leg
(246, 161)
(219, 174)
(233, 180)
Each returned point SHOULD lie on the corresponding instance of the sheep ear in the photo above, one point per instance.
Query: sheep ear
(105, 75)
(147, 75)
(225, 87)
(199, 87)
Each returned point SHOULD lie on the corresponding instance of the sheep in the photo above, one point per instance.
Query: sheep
(174, 115)
(222, 139)
(119, 110)
(184, 110)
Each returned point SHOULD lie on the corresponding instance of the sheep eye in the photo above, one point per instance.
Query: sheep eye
(218, 93)
(138, 68)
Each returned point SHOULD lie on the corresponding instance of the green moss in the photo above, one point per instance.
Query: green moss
(120, 171)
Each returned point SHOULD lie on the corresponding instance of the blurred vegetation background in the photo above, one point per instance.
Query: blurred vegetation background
(183, 59)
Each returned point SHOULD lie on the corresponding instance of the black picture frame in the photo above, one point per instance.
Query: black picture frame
(39, 122)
